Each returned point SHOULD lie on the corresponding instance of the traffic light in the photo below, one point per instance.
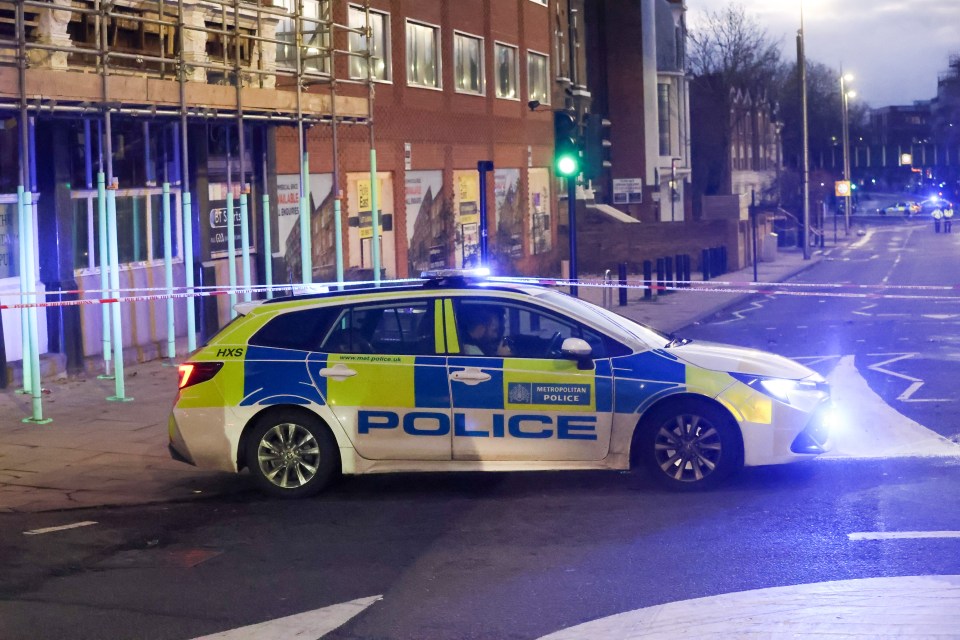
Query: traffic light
(595, 144)
(566, 154)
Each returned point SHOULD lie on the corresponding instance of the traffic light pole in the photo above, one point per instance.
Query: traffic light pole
(572, 225)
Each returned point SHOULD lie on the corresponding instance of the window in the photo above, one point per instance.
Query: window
(400, 329)
(314, 54)
(423, 60)
(139, 226)
(496, 329)
(299, 330)
(538, 77)
(506, 60)
(468, 63)
(380, 43)
(663, 115)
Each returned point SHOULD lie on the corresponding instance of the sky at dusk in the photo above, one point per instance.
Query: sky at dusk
(896, 49)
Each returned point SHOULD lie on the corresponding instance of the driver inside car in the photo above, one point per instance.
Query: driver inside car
(483, 333)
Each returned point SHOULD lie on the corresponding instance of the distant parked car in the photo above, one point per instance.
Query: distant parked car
(901, 208)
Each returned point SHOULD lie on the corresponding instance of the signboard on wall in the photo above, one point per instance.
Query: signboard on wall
(219, 221)
(320, 207)
(9, 241)
(627, 190)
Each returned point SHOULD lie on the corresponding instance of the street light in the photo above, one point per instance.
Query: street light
(805, 175)
(845, 95)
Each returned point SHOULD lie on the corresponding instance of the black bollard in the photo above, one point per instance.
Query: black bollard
(678, 263)
(660, 276)
(668, 265)
(705, 263)
(723, 259)
(622, 273)
(647, 279)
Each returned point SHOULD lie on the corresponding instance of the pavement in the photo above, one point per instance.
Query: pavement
(95, 452)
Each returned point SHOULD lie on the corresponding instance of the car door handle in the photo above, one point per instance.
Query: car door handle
(338, 372)
(470, 376)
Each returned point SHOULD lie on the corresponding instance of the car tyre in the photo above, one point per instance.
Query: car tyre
(688, 446)
(291, 454)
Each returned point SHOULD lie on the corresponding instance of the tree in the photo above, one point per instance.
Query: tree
(731, 52)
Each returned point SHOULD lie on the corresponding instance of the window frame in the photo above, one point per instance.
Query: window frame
(516, 70)
(531, 53)
(611, 346)
(387, 45)
(147, 193)
(287, 65)
(347, 310)
(438, 53)
(483, 63)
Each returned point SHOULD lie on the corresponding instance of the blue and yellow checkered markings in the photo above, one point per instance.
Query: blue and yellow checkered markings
(430, 386)
(486, 395)
(282, 376)
(379, 381)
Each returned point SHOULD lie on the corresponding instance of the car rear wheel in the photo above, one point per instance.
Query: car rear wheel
(291, 454)
(689, 446)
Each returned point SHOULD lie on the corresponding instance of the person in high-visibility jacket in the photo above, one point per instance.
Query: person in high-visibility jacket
(948, 218)
(937, 217)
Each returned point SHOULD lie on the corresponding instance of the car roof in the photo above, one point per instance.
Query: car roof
(335, 291)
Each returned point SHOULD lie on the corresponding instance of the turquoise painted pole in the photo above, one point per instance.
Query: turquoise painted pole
(245, 245)
(135, 207)
(306, 252)
(25, 359)
(188, 272)
(231, 252)
(36, 399)
(267, 248)
(374, 217)
(116, 326)
(104, 274)
(338, 236)
(168, 271)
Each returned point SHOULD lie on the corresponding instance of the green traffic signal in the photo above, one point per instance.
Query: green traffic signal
(567, 165)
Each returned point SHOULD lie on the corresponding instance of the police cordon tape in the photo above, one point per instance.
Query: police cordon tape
(714, 286)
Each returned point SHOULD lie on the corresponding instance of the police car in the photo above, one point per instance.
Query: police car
(457, 373)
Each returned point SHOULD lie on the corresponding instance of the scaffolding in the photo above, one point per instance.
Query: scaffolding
(172, 62)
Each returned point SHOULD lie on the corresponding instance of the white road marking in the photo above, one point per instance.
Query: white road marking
(738, 315)
(915, 383)
(311, 624)
(901, 535)
(898, 607)
(810, 360)
(63, 527)
(872, 429)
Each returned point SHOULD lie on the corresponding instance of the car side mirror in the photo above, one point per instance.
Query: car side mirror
(579, 350)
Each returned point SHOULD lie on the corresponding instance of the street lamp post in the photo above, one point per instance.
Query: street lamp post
(805, 171)
(844, 96)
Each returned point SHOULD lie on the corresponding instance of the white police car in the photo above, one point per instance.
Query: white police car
(459, 374)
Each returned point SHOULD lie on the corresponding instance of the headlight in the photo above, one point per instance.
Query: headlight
(781, 388)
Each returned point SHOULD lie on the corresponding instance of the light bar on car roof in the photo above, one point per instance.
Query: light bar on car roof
(443, 274)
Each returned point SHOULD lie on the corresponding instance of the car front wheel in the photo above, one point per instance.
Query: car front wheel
(689, 446)
(291, 454)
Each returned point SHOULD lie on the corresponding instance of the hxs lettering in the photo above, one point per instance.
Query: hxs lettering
(430, 423)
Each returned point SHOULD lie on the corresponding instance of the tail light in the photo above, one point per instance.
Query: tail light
(193, 373)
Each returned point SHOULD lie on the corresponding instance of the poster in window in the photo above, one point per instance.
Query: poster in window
(360, 226)
(508, 241)
(466, 209)
(320, 206)
(541, 233)
(427, 220)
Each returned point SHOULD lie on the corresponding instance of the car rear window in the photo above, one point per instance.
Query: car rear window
(300, 330)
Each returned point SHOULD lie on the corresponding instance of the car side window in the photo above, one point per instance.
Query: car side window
(404, 328)
(501, 329)
(301, 330)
